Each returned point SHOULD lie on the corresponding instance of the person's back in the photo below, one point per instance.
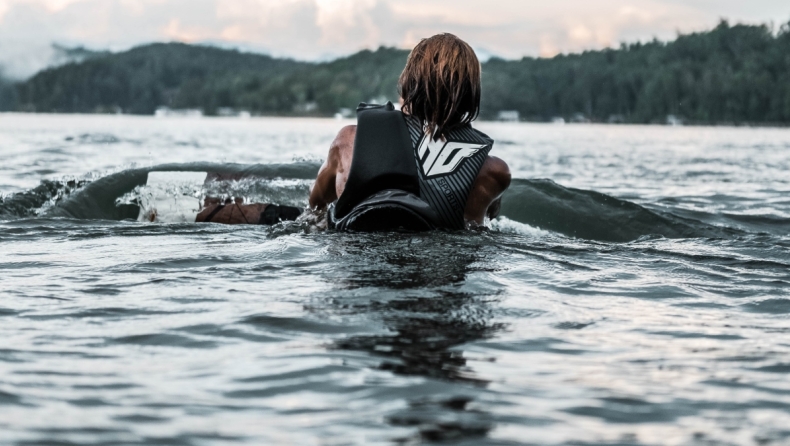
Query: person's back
(440, 90)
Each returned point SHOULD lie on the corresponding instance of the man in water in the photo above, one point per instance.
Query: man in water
(440, 97)
(459, 181)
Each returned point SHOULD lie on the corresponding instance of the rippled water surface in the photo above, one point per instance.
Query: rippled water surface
(642, 297)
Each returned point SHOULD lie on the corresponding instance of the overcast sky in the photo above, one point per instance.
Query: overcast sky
(321, 29)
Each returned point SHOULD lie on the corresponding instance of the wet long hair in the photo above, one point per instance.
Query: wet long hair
(441, 84)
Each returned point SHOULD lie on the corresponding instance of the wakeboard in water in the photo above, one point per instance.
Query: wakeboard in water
(172, 197)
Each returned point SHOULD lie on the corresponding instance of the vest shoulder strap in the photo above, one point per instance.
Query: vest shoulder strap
(383, 157)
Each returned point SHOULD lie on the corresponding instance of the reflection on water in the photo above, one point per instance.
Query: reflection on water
(415, 287)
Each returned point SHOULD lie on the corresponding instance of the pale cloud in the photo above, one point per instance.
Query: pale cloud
(51, 6)
(517, 28)
(317, 29)
(344, 20)
(175, 31)
(59, 5)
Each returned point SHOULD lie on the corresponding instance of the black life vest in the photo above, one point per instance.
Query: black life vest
(399, 181)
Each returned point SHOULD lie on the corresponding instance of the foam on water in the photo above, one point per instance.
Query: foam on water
(641, 297)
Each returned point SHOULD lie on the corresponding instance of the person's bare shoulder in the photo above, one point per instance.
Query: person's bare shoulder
(498, 171)
(484, 198)
(344, 141)
(333, 173)
(341, 145)
(349, 130)
(343, 148)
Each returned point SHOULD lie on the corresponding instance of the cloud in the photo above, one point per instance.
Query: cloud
(318, 29)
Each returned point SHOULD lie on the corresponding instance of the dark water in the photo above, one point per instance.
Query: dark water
(640, 296)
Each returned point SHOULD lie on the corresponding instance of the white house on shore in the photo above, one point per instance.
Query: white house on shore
(167, 112)
(508, 116)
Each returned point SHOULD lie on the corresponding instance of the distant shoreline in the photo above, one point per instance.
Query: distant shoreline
(350, 120)
(736, 75)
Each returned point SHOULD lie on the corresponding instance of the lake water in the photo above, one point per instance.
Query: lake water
(641, 297)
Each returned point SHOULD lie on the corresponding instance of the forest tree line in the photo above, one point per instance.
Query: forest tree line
(730, 74)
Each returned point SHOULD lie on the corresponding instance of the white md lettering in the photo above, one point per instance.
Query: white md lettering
(442, 157)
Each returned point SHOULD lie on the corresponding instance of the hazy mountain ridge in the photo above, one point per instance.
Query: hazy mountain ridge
(731, 74)
(8, 96)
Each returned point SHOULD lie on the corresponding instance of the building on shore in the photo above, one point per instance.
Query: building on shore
(508, 116)
(167, 112)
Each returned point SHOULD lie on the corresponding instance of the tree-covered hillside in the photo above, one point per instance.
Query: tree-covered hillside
(139, 80)
(731, 74)
(302, 88)
(8, 95)
(738, 74)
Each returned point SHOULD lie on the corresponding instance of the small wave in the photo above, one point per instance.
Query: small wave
(99, 199)
(770, 306)
(766, 222)
(164, 340)
(94, 138)
(592, 215)
(762, 222)
(10, 399)
(529, 207)
(506, 225)
(35, 201)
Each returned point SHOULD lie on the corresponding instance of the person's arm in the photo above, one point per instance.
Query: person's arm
(234, 213)
(325, 190)
(485, 198)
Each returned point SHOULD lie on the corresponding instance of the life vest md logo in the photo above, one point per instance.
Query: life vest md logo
(444, 157)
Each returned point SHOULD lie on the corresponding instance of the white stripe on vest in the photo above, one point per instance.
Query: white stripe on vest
(443, 157)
